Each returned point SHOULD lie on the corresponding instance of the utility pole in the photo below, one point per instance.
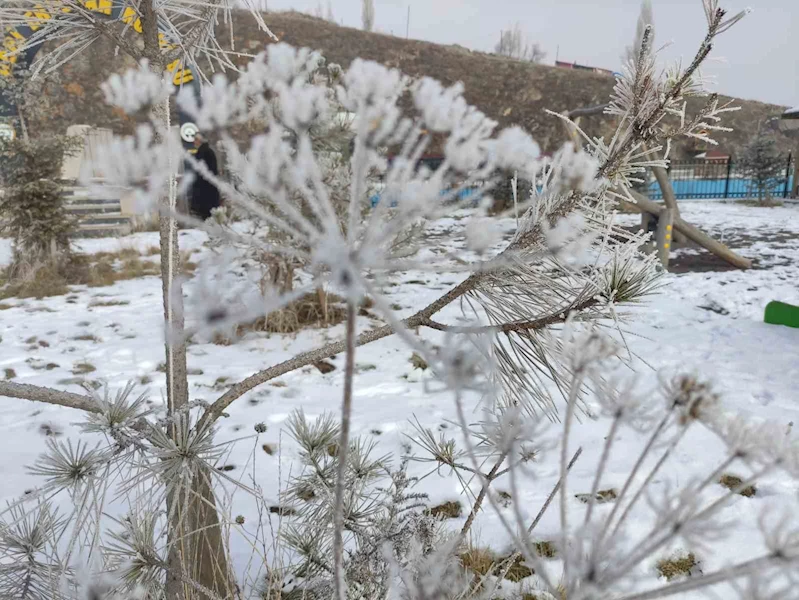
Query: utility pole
(408, 23)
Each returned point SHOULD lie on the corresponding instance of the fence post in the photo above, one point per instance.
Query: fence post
(785, 187)
(664, 234)
(727, 182)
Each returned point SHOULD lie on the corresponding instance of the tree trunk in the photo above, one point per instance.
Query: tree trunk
(196, 548)
(664, 235)
(23, 126)
(197, 560)
(669, 198)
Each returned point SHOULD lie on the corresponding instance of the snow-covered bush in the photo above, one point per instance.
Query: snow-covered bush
(536, 345)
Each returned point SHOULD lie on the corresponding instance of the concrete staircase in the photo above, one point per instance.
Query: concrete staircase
(99, 211)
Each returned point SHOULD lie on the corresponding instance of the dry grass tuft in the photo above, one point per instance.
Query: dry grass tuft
(418, 362)
(560, 594)
(602, 496)
(82, 368)
(478, 560)
(86, 337)
(504, 498)
(447, 510)
(40, 365)
(282, 511)
(4, 306)
(677, 566)
(325, 367)
(45, 282)
(315, 309)
(220, 385)
(518, 571)
(96, 303)
(311, 310)
(734, 483)
(9, 373)
(545, 549)
(94, 270)
(50, 430)
(482, 561)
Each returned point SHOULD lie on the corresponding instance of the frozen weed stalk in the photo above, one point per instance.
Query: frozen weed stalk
(539, 349)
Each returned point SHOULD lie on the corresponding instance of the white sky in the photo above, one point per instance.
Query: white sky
(760, 54)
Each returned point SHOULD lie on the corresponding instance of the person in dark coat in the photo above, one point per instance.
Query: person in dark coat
(204, 195)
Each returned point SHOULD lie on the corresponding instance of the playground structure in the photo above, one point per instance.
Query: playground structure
(664, 218)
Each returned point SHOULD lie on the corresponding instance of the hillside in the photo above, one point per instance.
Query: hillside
(508, 91)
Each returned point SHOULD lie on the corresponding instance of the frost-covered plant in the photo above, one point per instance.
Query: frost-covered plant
(31, 567)
(133, 497)
(383, 516)
(331, 137)
(536, 344)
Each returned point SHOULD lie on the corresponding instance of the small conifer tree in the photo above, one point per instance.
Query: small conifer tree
(763, 166)
(32, 210)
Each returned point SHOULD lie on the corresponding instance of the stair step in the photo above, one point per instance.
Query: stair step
(105, 232)
(86, 227)
(72, 200)
(107, 219)
(94, 209)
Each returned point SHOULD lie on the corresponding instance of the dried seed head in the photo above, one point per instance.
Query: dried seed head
(692, 398)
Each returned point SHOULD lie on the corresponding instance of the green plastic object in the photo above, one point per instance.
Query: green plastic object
(779, 313)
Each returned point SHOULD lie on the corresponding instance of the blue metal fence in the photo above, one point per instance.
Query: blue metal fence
(718, 179)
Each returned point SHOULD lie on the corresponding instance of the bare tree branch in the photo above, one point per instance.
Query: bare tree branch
(306, 358)
(36, 393)
(588, 111)
(516, 326)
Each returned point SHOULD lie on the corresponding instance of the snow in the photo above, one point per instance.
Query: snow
(753, 366)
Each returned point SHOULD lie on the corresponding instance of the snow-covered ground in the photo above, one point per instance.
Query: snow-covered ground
(710, 322)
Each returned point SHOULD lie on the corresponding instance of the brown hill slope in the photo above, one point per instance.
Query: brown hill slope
(509, 91)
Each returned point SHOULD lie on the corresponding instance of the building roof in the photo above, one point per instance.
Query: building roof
(713, 155)
(791, 113)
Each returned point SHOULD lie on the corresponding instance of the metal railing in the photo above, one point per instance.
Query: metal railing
(719, 178)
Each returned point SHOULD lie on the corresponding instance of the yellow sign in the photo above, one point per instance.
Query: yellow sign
(13, 41)
(99, 6)
(130, 17)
